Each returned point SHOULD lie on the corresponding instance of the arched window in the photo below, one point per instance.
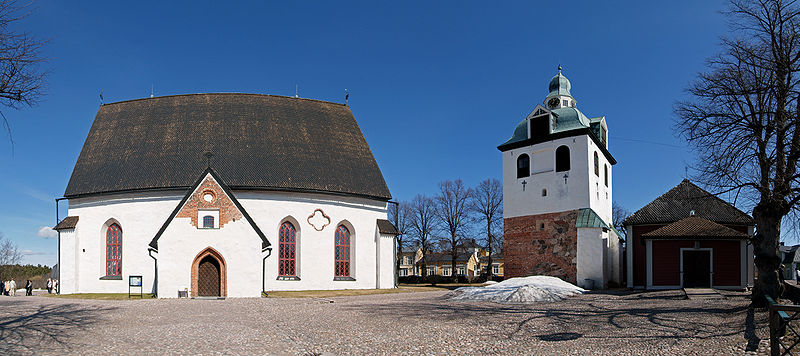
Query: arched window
(342, 252)
(605, 173)
(286, 250)
(523, 166)
(114, 250)
(208, 222)
(596, 165)
(562, 159)
(544, 192)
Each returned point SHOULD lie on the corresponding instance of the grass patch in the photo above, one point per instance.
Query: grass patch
(403, 288)
(99, 296)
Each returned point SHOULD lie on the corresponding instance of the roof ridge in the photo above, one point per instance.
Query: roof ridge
(224, 93)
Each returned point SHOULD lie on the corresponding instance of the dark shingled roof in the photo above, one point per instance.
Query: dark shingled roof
(678, 202)
(258, 142)
(386, 227)
(694, 227)
(68, 223)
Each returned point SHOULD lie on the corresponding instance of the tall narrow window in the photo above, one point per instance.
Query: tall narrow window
(342, 252)
(562, 159)
(596, 165)
(208, 222)
(114, 250)
(523, 166)
(286, 250)
(605, 173)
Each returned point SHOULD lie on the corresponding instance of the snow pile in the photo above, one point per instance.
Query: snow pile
(520, 290)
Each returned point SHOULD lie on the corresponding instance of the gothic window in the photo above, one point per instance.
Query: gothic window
(596, 165)
(286, 250)
(114, 250)
(605, 174)
(342, 252)
(208, 222)
(523, 166)
(562, 159)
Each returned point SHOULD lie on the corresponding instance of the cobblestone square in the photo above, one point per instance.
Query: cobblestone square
(607, 323)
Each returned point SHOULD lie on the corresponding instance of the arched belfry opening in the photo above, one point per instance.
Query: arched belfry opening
(209, 275)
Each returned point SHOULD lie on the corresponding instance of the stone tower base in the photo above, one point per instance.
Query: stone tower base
(544, 244)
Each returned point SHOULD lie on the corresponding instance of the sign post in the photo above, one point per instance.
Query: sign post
(135, 281)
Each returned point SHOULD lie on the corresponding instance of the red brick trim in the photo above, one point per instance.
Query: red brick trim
(223, 288)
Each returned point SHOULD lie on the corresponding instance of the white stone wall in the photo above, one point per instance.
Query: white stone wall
(67, 280)
(140, 216)
(315, 248)
(237, 242)
(583, 189)
(592, 261)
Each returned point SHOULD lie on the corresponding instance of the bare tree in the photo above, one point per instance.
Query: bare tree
(740, 121)
(21, 77)
(9, 253)
(618, 214)
(398, 214)
(487, 203)
(454, 215)
(422, 221)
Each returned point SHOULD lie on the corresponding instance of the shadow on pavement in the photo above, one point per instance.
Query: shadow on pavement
(32, 328)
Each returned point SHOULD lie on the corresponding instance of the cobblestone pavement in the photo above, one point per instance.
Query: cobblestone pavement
(622, 323)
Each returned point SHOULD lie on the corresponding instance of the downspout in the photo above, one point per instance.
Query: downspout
(264, 271)
(150, 251)
(58, 286)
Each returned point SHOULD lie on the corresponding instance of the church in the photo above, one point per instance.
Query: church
(225, 195)
(557, 194)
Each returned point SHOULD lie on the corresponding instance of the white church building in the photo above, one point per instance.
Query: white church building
(225, 195)
(557, 194)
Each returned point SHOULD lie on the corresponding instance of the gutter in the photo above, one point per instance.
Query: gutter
(263, 270)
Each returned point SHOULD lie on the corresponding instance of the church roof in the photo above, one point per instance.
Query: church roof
(386, 227)
(695, 227)
(257, 141)
(680, 201)
(68, 223)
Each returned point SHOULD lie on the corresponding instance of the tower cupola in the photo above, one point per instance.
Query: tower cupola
(559, 95)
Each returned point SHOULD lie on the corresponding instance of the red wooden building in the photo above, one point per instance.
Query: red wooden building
(689, 238)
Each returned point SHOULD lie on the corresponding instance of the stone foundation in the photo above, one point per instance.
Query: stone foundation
(544, 244)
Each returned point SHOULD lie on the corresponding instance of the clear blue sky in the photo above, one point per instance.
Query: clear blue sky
(435, 86)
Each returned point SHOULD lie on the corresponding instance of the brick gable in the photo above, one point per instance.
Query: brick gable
(227, 209)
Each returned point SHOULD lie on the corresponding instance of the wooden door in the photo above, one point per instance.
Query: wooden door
(208, 277)
(696, 269)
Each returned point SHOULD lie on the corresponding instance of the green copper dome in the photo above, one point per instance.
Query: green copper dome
(559, 85)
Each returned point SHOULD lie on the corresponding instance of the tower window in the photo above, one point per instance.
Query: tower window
(605, 174)
(566, 103)
(596, 165)
(562, 159)
(523, 166)
(544, 192)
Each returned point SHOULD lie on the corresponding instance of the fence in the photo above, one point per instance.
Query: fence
(784, 328)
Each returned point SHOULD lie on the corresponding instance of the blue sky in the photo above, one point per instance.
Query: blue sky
(435, 86)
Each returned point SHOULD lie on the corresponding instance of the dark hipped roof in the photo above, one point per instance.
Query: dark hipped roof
(678, 203)
(68, 223)
(386, 227)
(258, 142)
(693, 228)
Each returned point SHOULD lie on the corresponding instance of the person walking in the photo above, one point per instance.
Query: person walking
(49, 286)
(13, 288)
(55, 286)
(6, 287)
(28, 288)
(2, 287)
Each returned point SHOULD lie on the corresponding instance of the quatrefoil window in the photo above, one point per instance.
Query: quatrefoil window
(318, 220)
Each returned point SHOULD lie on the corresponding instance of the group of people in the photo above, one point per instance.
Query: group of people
(10, 287)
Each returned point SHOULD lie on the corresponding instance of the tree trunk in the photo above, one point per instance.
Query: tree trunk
(767, 258)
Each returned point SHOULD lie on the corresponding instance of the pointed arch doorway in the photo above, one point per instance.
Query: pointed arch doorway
(209, 274)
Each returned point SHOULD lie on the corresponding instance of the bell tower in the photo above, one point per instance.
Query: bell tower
(557, 175)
